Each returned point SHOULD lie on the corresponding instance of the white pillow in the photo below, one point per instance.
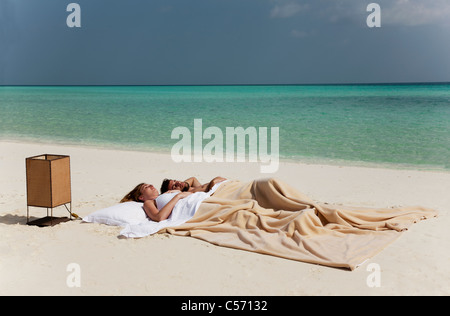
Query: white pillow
(131, 213)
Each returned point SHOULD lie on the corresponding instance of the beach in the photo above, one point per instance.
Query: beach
(330, 122)
(37, 261)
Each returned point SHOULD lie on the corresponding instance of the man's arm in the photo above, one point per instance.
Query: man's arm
(193, 182)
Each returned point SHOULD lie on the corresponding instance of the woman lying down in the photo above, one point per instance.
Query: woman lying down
(268, 216)
(177, 203)
(159, 207)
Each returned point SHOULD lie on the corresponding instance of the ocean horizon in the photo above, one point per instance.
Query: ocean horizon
(398, 125)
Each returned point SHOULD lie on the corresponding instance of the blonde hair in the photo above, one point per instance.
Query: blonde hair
(133, 195)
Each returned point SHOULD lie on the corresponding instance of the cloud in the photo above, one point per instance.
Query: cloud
(287, 10)
(393, 12)
(415, 12)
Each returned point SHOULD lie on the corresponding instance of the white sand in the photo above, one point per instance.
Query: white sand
(34, 261)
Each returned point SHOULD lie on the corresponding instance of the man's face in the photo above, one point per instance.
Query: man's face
(177, 185)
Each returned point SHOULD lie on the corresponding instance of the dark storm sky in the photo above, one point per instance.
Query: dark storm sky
(158, 42)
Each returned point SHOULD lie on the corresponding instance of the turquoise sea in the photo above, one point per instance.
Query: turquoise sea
(400, 125)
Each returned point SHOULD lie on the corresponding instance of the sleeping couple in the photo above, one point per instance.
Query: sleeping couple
(158, 207)
(270, 217)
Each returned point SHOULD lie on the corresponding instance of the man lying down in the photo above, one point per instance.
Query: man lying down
(159, 207)
(268, 216)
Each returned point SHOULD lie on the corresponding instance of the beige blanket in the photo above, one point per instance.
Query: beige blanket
(270, 217)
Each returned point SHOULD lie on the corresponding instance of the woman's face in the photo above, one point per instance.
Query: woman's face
(148, 192)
